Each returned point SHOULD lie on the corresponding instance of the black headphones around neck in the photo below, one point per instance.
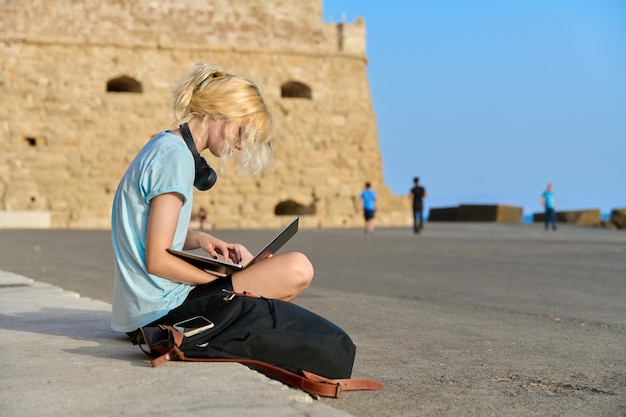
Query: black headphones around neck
(205, 175)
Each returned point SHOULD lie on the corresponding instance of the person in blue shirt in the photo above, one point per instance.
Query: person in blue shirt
(548, 201)
(368, 197)
(226, 115)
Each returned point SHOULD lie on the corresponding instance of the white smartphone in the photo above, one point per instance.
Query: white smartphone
(193, 325)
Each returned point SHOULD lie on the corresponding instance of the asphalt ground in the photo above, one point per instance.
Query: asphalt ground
(466, 319)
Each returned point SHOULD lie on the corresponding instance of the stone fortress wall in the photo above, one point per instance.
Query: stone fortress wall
(84, 84)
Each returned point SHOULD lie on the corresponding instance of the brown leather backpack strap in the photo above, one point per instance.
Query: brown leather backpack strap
(174, 352)
(310, 383)
(297, 381)
(166, 357)
(350, 384)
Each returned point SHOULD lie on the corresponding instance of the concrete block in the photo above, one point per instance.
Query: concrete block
(490, 213)
(443, 214)
(578, 217)
(618, 218)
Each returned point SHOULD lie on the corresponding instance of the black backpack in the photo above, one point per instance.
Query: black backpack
(278, 338)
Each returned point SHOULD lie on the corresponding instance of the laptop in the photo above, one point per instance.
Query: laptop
(224, 268)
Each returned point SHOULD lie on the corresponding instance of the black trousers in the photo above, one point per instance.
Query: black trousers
(418, 218)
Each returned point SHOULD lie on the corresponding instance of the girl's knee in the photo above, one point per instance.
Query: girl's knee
(284, 277)
(302, 270)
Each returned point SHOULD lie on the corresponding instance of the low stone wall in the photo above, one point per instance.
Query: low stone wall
(478, 213)
(25, 220)
(590, 217)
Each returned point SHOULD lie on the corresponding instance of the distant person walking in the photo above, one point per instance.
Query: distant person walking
(548, 201)
(368, 197)
(202, 217)
(418, 193)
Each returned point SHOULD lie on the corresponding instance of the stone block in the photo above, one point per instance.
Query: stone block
(490, 213)
(443, 214)
(618, 218)
(500, 213)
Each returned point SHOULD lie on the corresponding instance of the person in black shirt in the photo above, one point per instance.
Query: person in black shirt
(417, 194)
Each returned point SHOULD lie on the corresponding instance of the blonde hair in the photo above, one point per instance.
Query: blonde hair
(208, 91)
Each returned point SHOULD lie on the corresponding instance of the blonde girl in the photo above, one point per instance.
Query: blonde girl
(226, 115)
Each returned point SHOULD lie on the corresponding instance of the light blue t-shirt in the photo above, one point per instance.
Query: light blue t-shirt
(164, 165)
(549, 198)
(369, 199)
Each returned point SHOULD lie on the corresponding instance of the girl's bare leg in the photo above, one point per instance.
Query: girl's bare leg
(282, 277)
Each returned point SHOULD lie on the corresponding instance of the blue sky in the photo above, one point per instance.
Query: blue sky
(489, 100)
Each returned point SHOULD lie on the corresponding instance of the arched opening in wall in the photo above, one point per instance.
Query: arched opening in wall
(293, 208)
(124, 84)
(295, 89)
